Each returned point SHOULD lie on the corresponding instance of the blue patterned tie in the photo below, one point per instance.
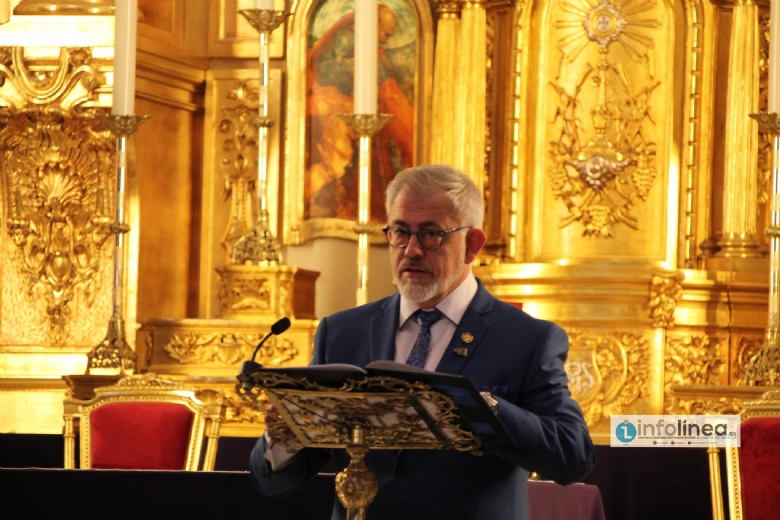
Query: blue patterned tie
(420, 349)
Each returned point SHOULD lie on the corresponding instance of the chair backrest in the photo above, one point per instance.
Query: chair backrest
(146, 422)
(753, 469)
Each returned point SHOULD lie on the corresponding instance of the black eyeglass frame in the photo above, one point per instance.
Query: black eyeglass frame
(441, 233)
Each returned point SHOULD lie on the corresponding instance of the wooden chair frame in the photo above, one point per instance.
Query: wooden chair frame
(767, 406)
(207, 406)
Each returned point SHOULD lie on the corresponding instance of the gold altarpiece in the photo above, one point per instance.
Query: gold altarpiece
(195, 154)
(618, 214)
(623, 199)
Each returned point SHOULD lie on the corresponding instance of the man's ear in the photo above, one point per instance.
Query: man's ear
(475, 241)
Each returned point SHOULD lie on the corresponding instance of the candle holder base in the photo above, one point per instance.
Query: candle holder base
(122, 125)
(366, 125)
(112, 355)
(264, 20)
(258, 246)
(763, 369)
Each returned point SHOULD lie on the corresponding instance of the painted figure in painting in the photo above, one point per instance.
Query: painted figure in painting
(332, 165)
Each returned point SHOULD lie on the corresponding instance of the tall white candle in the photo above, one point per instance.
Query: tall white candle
(268, 5)
(774, 57)
(125, 29)
(366, 53)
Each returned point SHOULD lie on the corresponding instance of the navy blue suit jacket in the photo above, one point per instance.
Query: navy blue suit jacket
(518, 358)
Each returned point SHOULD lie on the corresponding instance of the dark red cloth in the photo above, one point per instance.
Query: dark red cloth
(759, 465)
(140, 436)
(551, 501)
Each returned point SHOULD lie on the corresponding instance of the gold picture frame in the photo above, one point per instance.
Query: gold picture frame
(310, 21)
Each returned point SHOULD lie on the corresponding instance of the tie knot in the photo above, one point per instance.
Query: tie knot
(427, 318)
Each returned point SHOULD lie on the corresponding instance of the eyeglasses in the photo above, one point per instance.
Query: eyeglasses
(429, 239)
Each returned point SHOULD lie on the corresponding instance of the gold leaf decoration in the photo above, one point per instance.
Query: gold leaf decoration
(747, 347)
(607, 372)
(239, 160)
(602, 165)
(57, 166)
(228, 349)
(691, 360)
(665, 291)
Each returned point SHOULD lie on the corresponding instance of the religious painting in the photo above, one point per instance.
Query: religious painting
(324, 155)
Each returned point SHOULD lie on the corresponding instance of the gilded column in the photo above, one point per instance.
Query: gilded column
(470, 92)
(740, 193)
(444, 72)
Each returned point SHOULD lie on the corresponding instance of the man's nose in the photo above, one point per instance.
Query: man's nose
(413, 249)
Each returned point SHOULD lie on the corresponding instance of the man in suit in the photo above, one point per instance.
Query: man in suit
(443, 319)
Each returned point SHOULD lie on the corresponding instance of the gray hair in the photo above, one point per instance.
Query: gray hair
(441, 179)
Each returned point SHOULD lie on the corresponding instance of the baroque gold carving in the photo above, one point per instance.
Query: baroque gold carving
(247, 294)
(692, 360)
(239, 160)
(57, 169)
(72, 80)
(255, 292)
(604, 164)
(228, 349)
(765, 138)
(665, 291)
(607, 373)
(747, 347)
(704, 406)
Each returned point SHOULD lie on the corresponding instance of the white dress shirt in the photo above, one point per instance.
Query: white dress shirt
(453, 307)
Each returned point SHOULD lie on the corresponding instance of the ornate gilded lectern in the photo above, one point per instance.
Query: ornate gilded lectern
(386, 406)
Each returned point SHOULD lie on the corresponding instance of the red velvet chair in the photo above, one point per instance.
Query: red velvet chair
(145, 422)
(753, 469)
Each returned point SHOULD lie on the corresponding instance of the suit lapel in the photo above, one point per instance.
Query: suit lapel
(383, 330)
(468, 335)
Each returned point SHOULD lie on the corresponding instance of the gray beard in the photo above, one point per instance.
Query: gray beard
(419, 293)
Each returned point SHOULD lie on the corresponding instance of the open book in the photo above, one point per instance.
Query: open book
(474, 414)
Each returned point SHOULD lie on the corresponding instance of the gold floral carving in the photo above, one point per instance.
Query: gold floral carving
(665, 291)
(239, 160)
(747, 347)
(704, 406)
(603, 165)
(692, 360)
(254, 293)
(765, 139)
(607, 372)
(57, 169)
(228, 349)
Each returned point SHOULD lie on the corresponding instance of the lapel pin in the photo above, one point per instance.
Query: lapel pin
(466, 337)
(462, 351)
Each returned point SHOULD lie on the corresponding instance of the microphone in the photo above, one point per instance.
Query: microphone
(250, 367)
(277, 328)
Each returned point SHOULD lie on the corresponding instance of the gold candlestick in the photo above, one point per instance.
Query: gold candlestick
(113, 353)
(365, 126)
(763, 369)
(259, 246)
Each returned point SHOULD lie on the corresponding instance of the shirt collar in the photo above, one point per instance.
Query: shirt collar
(453, 306)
